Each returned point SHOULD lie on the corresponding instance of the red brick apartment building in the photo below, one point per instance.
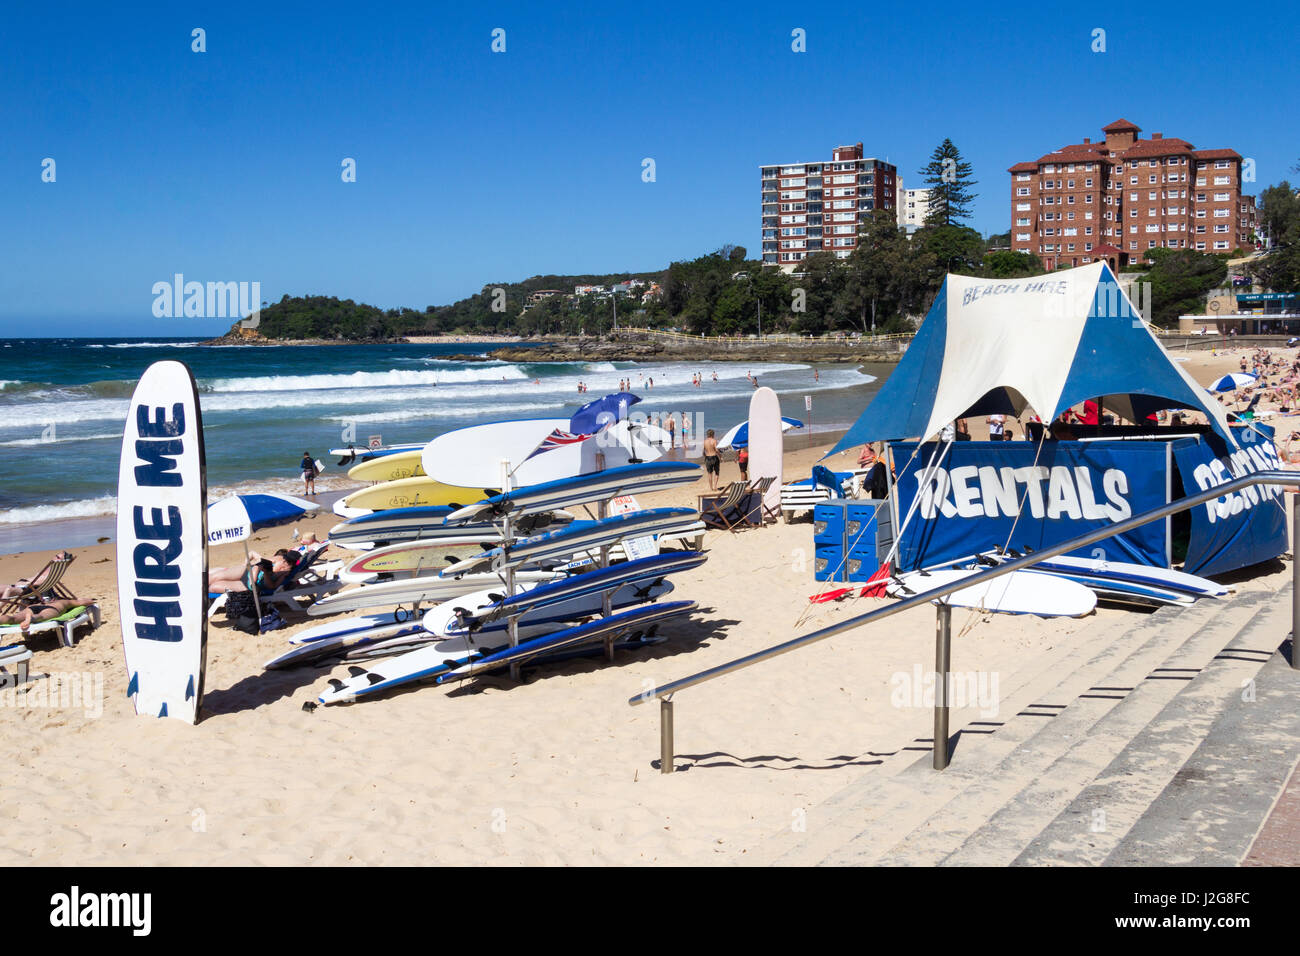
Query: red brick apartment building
(816, 207)
(1119, 197)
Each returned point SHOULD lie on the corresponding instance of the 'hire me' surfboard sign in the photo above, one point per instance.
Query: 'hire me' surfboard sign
(162, 565)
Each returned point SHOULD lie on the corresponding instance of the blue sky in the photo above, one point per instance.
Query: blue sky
(475, 167)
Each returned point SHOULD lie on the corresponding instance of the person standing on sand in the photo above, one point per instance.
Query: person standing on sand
(672, 432)
(308, 474)
(712, 460)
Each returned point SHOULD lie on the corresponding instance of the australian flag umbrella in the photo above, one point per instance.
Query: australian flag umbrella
(594, 416)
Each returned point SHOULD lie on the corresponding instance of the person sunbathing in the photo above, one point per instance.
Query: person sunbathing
(25, 585)
(43, 611)
(268, 573)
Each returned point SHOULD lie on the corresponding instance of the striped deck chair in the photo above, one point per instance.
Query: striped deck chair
(44, 584)
(759, 487)
(731, 509)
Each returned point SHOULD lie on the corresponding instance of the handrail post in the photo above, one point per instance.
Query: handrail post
(665, 735)
(942, 680)
(1295, 582)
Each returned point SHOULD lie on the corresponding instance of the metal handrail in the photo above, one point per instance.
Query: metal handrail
(663, 694)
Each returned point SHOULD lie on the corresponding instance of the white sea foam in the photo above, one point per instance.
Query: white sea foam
(390, 378)
(60, 439)
(145, 345)
(86, 508)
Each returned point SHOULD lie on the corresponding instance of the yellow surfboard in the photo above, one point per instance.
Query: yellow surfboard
(413, 493)
(389, 468)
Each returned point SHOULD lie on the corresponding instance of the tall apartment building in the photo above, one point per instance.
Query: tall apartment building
(818, 206)
(913, 206)
(1119, 197)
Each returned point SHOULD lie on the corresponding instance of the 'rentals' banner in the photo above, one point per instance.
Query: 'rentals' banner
(1241, 529)
(1018, 494)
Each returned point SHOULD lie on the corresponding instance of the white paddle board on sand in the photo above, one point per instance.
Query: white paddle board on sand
(1020, 592)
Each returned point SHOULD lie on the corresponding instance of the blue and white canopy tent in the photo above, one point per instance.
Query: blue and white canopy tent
(1046, 343)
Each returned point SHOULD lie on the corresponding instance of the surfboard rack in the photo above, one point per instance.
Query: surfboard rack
(943, 622)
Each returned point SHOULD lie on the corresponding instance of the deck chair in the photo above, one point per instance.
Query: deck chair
(759, 487)
(730, 510)
(45, 583)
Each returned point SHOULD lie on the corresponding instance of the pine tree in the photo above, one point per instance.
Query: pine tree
(948, 178)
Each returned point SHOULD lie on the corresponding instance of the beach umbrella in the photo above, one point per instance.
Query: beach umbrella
(595, 415)
(738, 435)
(235, 517)
(1233, 381)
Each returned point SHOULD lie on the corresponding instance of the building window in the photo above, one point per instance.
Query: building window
(1221, 245)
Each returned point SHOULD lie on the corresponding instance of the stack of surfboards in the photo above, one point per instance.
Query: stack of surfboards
(1125, 583)
(448, 616)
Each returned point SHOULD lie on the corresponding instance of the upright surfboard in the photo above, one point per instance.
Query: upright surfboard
(766, 443)
(162, 563)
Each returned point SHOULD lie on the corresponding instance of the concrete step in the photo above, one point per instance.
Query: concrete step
(1095, 822)
(1082, 748)
(868, 816)
(1211, 811)
(829, 825)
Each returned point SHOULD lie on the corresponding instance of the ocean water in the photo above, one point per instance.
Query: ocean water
(63, 401)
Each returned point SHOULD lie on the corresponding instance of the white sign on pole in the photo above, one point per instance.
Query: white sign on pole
(807, 403)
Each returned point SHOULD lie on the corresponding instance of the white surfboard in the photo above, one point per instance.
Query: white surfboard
(766, 443)
(471, 457)
(1020, 592)
(422, 590)
(162, 564)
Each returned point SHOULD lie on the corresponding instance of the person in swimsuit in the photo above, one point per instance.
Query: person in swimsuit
(43, 611)
(712, 460)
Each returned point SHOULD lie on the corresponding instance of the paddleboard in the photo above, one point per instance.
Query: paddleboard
(472, 456)
(410, 493)
(414, 591)
(1141, 573)
(412, 558)
(616, 625)
(162, 538)
(766, 443)
(423, 662)
(350, 625)
(1020, 592)
(580, 489)
(475, 610)
(339, 644)
(353, 454)
(539, 618)
(583, 536)
(426, 524)
(404, 464)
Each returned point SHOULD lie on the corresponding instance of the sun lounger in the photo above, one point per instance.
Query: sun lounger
(66, 623)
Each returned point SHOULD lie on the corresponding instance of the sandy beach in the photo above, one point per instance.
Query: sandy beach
(555, 770)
